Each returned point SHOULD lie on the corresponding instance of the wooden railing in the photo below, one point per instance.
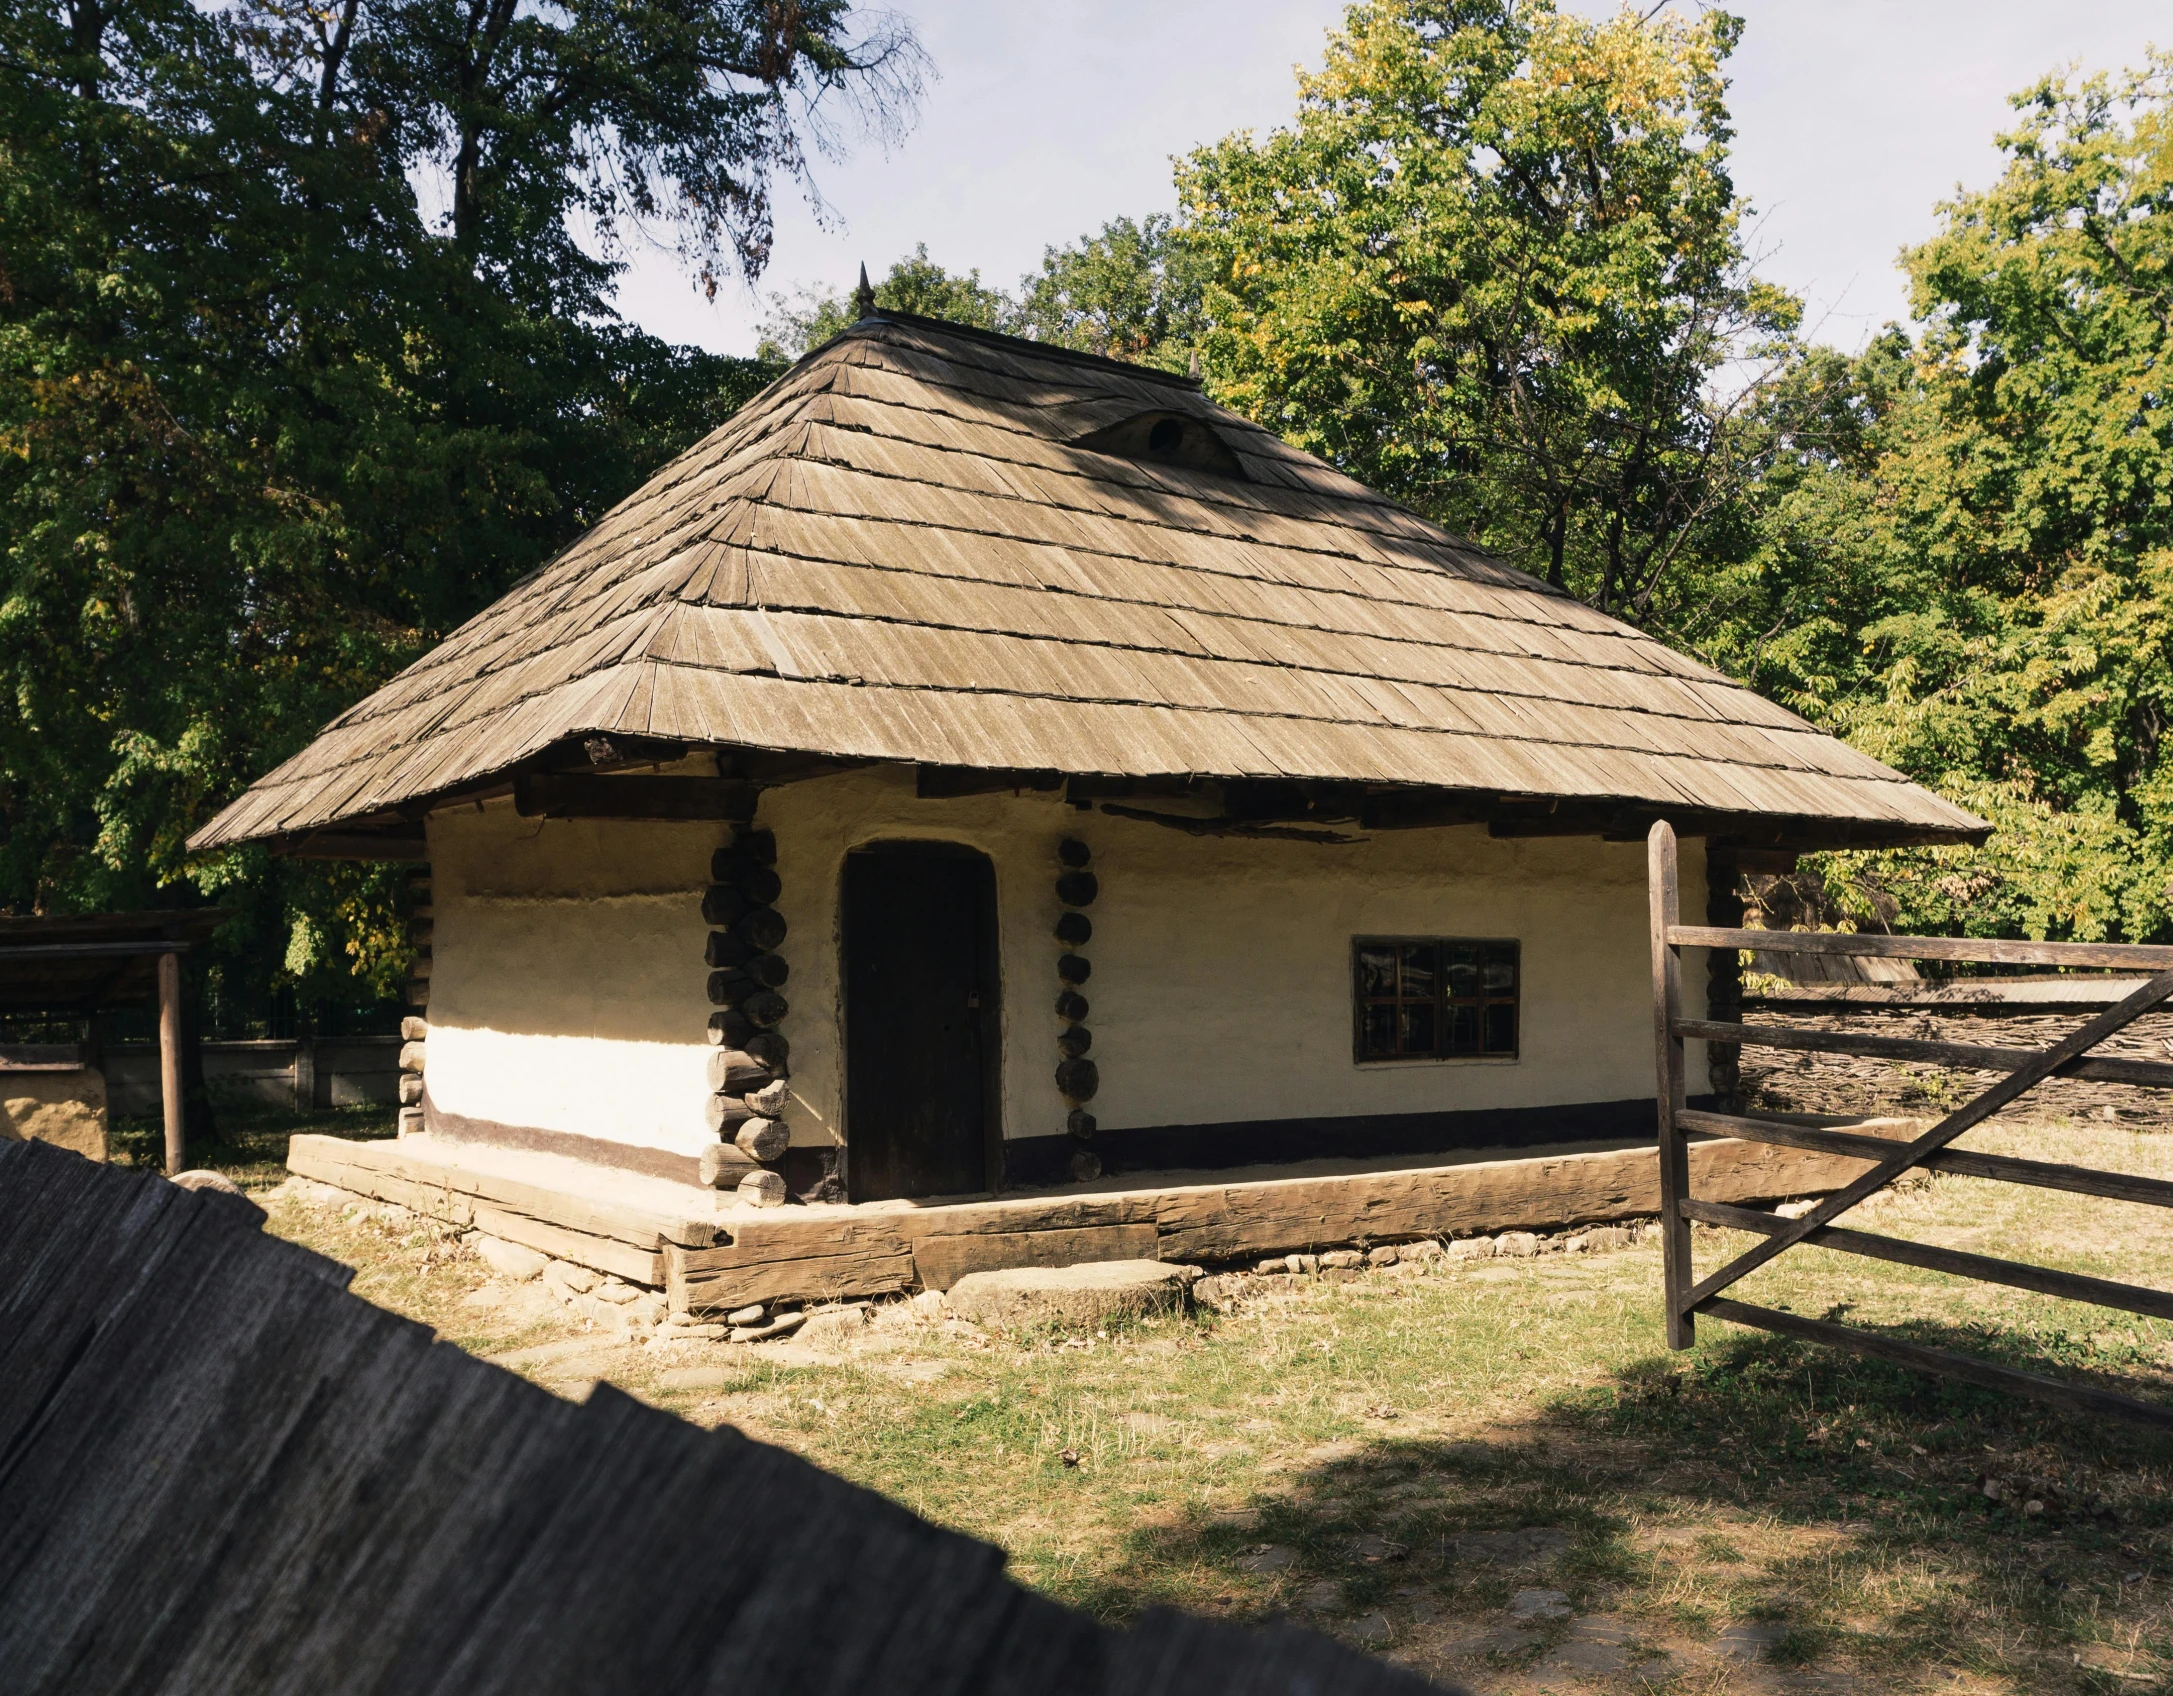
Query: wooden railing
(2022, 1069)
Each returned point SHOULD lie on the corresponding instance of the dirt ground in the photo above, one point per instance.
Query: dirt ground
(1491, 1471)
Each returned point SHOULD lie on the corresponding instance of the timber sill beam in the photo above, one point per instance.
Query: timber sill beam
(2151, 1074)
(1967, 1163)
(1985, 1268)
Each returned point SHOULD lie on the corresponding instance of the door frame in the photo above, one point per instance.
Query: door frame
(988, 968)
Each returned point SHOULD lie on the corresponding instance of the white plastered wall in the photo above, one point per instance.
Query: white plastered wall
(567, 978)
(568, 993)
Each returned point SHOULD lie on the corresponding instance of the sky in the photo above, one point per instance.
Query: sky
(1854, 119)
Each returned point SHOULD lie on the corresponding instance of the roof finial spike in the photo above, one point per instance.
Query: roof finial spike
(864, 296)
(1193, 368)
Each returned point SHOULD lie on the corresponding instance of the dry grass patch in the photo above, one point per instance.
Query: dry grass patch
(1419, 1460)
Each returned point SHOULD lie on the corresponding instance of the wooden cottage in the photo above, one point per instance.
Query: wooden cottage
(982, 768)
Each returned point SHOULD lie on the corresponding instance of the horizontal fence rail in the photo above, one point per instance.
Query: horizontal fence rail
(2017, 1071)
(2003, 1168)
(1983, 951)
(2152, 1074)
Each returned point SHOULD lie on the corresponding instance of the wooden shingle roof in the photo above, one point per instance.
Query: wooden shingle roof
(900, 552)
(222, 1474)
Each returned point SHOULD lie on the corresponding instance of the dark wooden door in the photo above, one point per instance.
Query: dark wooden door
(920, 1021)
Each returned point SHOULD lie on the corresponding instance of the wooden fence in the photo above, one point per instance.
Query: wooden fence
(221, 1473)
(2021, 1070)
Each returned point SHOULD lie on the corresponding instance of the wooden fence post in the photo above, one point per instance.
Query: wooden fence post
(169, 1058)
(1664, 891)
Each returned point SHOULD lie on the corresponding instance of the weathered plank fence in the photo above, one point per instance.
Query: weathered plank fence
(2017, 1070)
(220, 1472)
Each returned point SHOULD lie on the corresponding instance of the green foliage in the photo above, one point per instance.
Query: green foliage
(1130, 291)
(798, 324)
(1494, 268)
(268, 428)
(1965, 546)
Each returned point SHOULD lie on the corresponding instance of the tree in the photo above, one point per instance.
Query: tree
(801, 322)
(271, 426)
(1965, 550)
(1495, 268)
(2032, 474)
(1130, 291)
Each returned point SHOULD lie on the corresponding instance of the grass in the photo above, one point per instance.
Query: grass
(1394, 1455)
(248, 1141)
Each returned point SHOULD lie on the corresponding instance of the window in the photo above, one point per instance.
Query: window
(1431, 997)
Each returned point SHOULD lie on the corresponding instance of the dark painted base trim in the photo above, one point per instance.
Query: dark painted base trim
(1030, 1162)
(597, 1151)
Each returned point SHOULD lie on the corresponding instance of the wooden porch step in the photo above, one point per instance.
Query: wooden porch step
(607, 1221)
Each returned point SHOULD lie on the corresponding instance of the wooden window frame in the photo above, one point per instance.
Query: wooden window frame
(1441, 1001)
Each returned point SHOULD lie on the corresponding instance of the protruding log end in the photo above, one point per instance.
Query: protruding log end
(1074, 968)
(1080, 1123)
(760, 928)
(723, 1165)
(769, 1100)
(733, 1029)
(760, 884)
(723, 905)
(1073, 853)
(1086, 1166)
(761, 970)
(1078, 1079)
(765, 1008)
(411, 1057)
(762, 1139)
(759, 846)
(1070, 1004)
(1074, 930)
(737, 1071)
(1077, 889)
(414, 1028)
(411, 1089)
(1074, 1042)
(762, 1189)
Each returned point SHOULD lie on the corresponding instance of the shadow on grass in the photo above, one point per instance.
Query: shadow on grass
(1845, 1511)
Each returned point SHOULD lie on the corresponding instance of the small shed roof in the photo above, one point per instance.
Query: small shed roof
(931, 544)
(80, 962)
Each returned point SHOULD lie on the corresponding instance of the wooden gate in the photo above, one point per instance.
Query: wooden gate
(1688, 1296)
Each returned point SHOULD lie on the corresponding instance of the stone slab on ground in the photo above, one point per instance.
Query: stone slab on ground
(510, 1260)
(1091, 1294)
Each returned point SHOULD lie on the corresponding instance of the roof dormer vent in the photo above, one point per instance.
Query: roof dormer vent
(1166, 438)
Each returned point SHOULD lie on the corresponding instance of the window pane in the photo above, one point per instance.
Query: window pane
(1415, 997)
(1501, 971)
(1418, 969)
